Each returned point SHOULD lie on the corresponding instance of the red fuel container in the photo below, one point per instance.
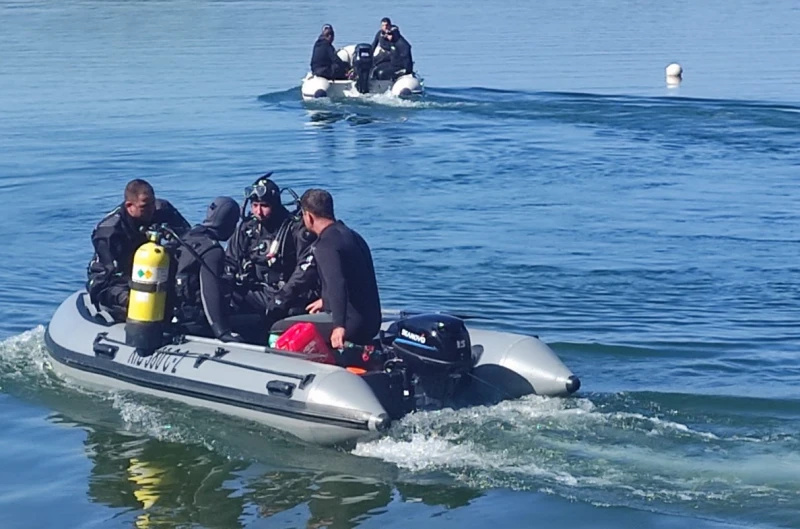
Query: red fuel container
(304, 339)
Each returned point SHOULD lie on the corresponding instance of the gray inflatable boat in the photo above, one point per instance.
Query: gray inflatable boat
(420, 362)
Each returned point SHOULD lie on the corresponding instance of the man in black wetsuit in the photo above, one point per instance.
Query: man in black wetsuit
(200, 298)
(324, 61)
(116, 239)
(380, 37)
(346, 272)
(270, 257)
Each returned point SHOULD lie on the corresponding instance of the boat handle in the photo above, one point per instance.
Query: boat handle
(278, 386)
(99, 349)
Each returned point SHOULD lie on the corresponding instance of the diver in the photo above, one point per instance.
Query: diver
(398, 61)
(380, 37)
(346, 272)
(324, 60)
(200, 298)
(117, 237)
(270, 257)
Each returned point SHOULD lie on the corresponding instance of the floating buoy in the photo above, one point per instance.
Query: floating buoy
(674, 73)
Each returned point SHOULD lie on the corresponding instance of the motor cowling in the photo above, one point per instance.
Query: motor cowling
(436, 349)
(362, 66)
(147, 300)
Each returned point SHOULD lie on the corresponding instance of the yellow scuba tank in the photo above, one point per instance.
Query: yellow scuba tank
(148, 296)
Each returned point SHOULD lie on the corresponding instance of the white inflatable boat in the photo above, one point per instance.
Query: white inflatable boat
(363, 81)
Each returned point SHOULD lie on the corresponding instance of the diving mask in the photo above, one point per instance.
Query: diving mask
(262, 192)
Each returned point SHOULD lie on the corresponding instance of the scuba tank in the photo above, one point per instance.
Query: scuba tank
(148, 296)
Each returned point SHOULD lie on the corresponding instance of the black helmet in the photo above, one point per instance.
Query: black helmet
(221, 217)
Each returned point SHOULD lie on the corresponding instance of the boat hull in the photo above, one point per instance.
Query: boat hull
(318, 403)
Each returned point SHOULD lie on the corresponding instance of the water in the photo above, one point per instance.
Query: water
(549, 179)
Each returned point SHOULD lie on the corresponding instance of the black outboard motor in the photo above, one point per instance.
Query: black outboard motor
(362, 65)
(436, 351)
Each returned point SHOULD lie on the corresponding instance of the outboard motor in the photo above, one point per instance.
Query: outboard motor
(362, 65)
(436, 351)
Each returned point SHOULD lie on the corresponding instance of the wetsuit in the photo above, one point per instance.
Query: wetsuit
(116, 239)
(273, 285)
(381, 41)
(397, 62)
(200, 297)
(402, 62)
(349, 286)
(325, 63)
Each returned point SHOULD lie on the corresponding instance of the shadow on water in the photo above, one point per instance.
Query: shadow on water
(323, 118)
(161, 483)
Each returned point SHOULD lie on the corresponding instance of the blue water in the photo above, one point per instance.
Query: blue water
(549, 180)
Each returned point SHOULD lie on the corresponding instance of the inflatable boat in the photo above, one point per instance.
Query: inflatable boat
(363, 81)
(419, 361)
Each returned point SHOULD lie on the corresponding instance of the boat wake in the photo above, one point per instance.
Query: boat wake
(760, 127)
(609, 450)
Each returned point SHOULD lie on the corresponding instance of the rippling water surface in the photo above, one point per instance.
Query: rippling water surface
(549, 180)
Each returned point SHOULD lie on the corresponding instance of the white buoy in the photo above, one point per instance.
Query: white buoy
(674, 73)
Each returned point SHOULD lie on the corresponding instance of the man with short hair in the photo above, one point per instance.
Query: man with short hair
(116, 239)
(346, 272)
(380, 36)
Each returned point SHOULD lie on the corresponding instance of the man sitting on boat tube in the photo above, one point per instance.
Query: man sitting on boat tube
(117, 237)
(324, 61)
(346, 273)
